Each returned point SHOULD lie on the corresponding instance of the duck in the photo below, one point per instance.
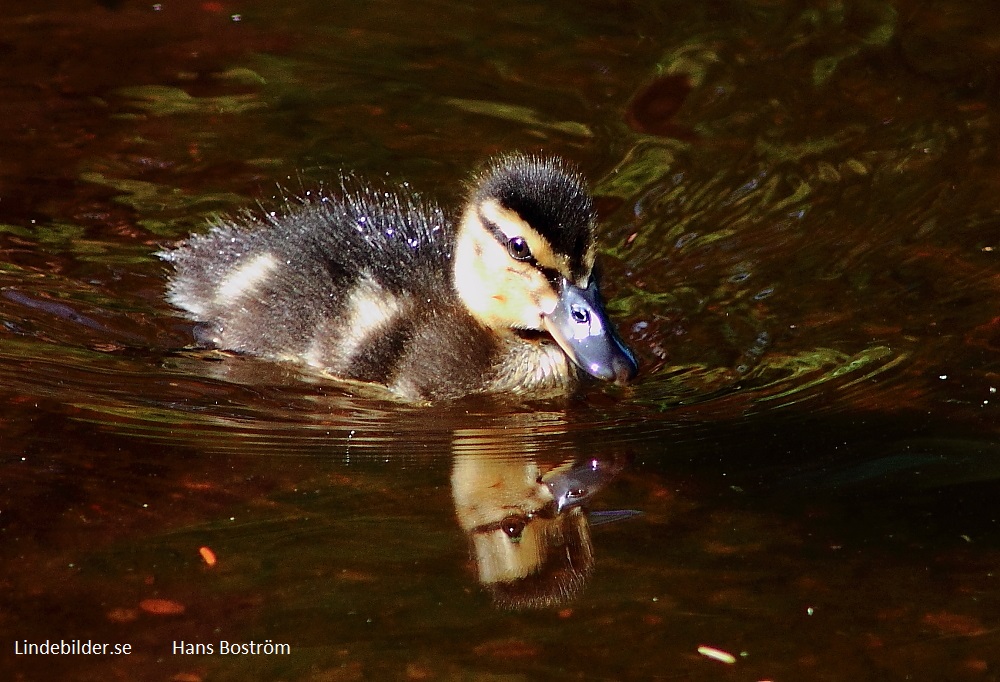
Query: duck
(379, 286)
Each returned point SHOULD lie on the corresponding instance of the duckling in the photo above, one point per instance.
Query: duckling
(531, 551)
(382, 288)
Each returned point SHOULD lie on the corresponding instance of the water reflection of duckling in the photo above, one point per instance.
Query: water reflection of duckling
(530, 537)
(381, 288)
(527, 554)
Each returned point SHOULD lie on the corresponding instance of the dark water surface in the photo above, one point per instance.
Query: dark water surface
(801, 241)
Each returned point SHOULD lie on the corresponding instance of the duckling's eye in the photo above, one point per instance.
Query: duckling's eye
(518, 248)
(512, 527)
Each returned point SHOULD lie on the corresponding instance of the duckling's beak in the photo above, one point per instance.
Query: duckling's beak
(582, 329)
(574, 483)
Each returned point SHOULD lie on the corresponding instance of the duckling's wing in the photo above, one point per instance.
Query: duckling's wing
(327, 282)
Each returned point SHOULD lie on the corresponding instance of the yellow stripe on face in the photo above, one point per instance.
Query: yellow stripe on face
(512, 225)
(500, 292)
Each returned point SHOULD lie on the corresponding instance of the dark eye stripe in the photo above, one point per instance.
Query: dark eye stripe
(547, 511)
(551, 274)
(554, 276)
(499, 235)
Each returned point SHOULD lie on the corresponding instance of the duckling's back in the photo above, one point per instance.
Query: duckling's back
(357, 286)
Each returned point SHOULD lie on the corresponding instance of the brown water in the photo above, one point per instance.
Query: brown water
(801, 241)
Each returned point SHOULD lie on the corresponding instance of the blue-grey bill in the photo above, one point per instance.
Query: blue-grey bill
(580, 325)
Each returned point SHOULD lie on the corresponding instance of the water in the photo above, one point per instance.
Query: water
(800, 241)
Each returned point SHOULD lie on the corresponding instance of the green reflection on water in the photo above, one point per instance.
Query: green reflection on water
(149, 197)
(518, 114)
(163, 100)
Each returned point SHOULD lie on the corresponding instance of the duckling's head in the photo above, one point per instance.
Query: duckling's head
(524, 261)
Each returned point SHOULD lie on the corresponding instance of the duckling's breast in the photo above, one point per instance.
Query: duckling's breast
(535, 367)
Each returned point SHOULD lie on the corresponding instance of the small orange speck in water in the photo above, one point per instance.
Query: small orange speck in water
(162, 607)
(120, 615)
(955, 624)
(187, 677)
(418, 671)
(208, 555)
(565, 613)
(976, 665)
(507, 649)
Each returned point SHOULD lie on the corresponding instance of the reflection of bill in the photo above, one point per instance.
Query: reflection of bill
(529, 535)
